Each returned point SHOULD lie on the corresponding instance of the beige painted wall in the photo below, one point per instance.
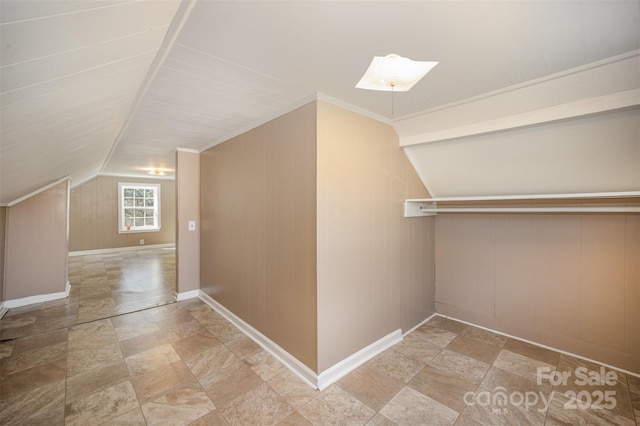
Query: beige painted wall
(567, 281)
(258, 234)
(3, 222)
(93, 216)
(188, 209)
(375, 267)
(36, 244)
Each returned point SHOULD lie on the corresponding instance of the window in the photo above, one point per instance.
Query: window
(139, 207)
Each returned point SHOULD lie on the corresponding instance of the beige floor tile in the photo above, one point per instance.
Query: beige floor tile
(579, 371)
(223, 330)
(130, 331)
(336, 406)
(261, 405)
(435, 336)
(168, 319)
(634, 395)
(101, 406)
(563, 411)
(520, 364)
(130, 418)
(40, 341)
(142, 343)
(51, 417)
(179, 406)
(477, 349)
(32, 378)
(96, 379)
(81, 360)
(536, 352)
(410, 407)
(195, 344)
(229, 382)
(213, 418)
(212, 361)
(88, 331)
(292, 388)
(396, 365)
(380, 420)
(484, 336)
(371, 386)
(264, 365)
(33, 403)
(294, 419)
(182, 330)
(151, 359)
(459, 365)
(466, 421)
(417, 348)
(243, 347)
(442, 386)
(153, 383)
(25, 360)
(447, 324)
(498, 381)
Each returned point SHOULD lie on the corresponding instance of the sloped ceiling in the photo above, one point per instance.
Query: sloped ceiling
(114, 87)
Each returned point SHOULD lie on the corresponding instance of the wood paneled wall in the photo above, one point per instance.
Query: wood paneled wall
(258, 234)
(36, 244)
(375, 267)
(188, 209)
(303, 234)
(3, 223)
(93, 216)
(567, 281)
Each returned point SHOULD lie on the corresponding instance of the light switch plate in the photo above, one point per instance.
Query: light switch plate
(192, 225)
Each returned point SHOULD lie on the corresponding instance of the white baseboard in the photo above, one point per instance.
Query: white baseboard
(188, 295)
(541, 345)
(40, 298)
(117, 249)
(317, 381)
(288, 360)
(3, 310)
(347, 365)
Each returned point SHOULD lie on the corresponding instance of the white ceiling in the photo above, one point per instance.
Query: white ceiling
(114, 87)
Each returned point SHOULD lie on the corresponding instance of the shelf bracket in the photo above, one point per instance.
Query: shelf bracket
(414, 208)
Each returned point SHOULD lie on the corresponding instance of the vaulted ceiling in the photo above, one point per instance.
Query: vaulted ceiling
(115, 86)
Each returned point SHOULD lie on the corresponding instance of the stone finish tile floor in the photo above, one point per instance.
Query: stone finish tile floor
(178, 364)
(184, 364)
(102, 285)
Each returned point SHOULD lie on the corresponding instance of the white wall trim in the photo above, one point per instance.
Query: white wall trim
(188, 295)
(551, 348)
(342, 104)
(40, 298)
(192, 151)
(566, 111)
(113, 250)
(3, 310)
(347, 365)
(288, 360)
(320, 381)
(38, 191)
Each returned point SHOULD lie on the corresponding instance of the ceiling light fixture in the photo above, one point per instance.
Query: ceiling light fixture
(394, 73)
(155, 172)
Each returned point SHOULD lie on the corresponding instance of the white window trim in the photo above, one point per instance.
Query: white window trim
(157, 188)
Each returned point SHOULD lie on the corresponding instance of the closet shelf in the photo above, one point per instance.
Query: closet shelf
(614, 202)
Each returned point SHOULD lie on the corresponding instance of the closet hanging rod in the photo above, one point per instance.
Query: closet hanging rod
(434, 210)
(587, 195)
